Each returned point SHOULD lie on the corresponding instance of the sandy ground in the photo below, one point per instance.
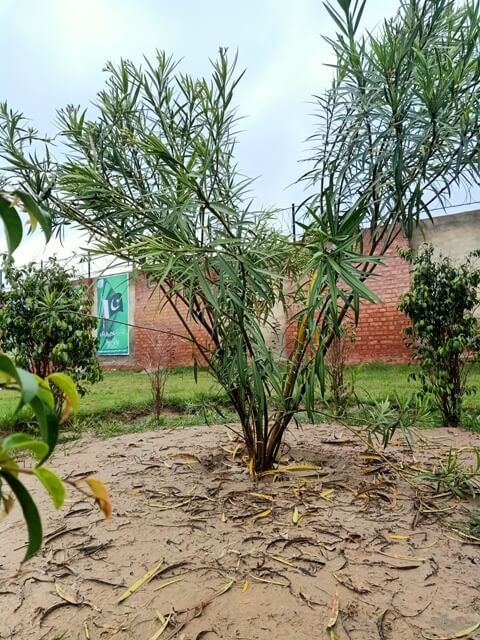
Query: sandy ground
(230, 560)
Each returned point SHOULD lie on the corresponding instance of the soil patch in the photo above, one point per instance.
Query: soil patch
(238, 560)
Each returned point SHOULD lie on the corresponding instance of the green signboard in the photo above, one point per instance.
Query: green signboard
(112, 312)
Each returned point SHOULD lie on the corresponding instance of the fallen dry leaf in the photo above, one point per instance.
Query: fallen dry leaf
(332, 621)
(101, 496)
(459, 634)
(139, 583)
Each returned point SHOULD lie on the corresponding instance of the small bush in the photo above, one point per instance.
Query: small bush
(383, 418)
(336, 362)
(444, 332)
(454, 476)
(156, 366)
(46, 322)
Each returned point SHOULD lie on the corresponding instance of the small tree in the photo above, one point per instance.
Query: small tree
(151, 174)
(46, 322)
(444, 332)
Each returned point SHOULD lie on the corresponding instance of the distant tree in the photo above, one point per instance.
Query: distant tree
(444, 332)
(46, 322)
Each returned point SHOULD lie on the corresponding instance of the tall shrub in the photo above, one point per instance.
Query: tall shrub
(444, 332)
(152, 176)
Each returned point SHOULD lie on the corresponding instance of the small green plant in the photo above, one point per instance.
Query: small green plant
(383, 418)
(158, 370)
(471, 421)
(444, 333)
(454, 476)
(474, 524)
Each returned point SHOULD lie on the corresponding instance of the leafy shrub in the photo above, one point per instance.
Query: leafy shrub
(46, 322)
(455, 476)
(157, 182)
(444, 332)
(383, 418)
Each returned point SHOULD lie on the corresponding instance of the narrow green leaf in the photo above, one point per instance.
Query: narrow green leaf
(52, 484)
(48, 424)
(12, 224)
(7, 367)
(36, 212)
(30, 513)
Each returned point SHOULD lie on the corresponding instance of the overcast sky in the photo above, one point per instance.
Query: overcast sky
(53, 53)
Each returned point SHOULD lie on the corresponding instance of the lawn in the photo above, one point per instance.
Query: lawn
(121, 391)
(124, 396)
(379, 381)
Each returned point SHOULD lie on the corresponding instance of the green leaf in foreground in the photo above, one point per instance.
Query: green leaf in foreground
(67, 385)
(23, 441)
(12, 224)
(30, 513)
(48, 424)
(52, 484)
(36, 214)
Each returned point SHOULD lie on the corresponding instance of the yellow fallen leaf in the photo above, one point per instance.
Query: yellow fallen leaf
(327, 494)
(224, 589)
(245, 586)
(66, 596)
(236, 450)
(168, 583)
(398, 536)
(283, 561)
(86, 631)
(291, 468)
(459, 634)
(136, 585)
(223, 517)
(258, 579)
(262, 514)
(332, 621)
(166, 507)
(165, 622)
(262, 496)
(101, 496)
(295, 515)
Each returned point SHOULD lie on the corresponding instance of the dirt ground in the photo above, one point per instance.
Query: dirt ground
(238, 560)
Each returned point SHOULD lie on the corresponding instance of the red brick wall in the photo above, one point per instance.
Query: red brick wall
(378, 337)
(168, 338)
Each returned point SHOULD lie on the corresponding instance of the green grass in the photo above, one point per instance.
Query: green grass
(378, 381)
(122, 402)
(123, 391)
